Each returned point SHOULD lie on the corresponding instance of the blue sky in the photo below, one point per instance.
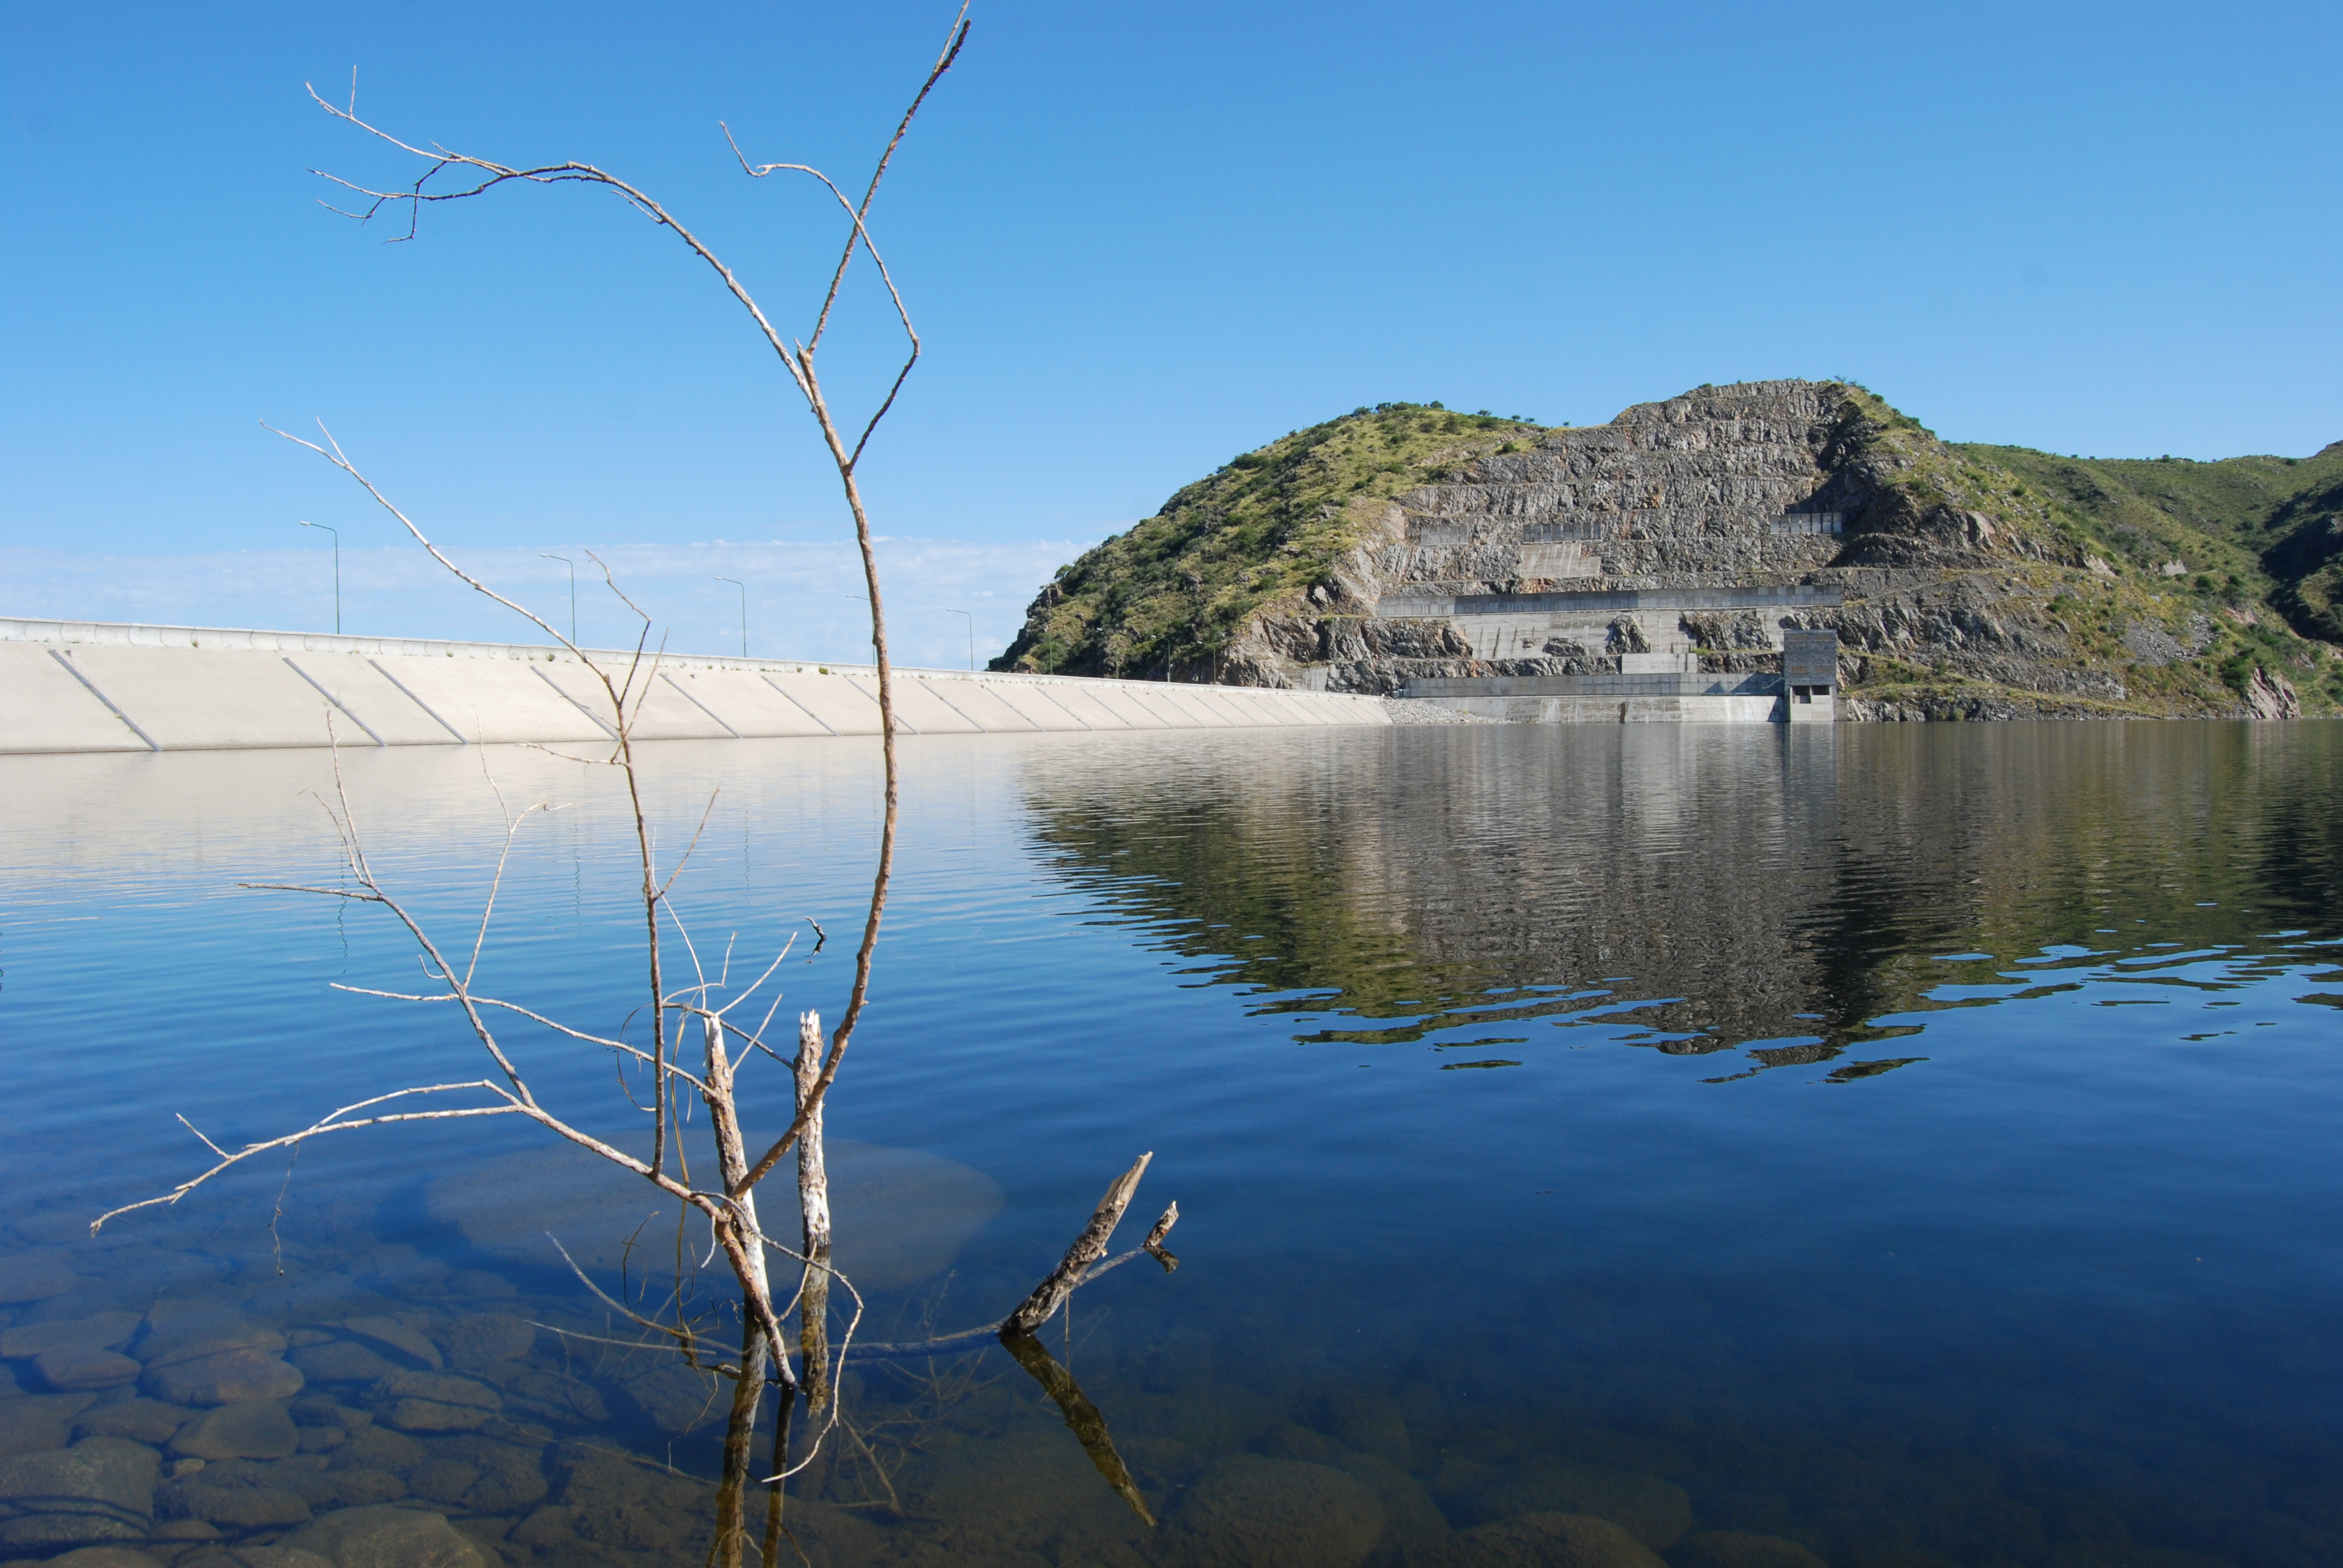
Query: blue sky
(1136, 242)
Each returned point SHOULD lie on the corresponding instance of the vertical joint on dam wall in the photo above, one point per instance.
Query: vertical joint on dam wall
(96, 686)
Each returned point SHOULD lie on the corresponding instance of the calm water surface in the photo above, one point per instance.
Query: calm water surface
(1879, 1146)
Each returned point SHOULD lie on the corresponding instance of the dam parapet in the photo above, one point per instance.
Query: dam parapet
(99, 686)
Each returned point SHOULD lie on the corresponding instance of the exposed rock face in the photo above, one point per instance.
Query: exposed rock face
(1403, 544)
(1680, 493)
(2272, 696)
(1515, 563)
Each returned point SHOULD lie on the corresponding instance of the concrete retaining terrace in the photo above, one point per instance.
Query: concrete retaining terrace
(99, 686)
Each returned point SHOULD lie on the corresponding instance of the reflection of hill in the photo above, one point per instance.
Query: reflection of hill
(1788, 884)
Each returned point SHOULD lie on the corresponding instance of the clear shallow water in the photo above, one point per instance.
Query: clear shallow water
(1913, 1144)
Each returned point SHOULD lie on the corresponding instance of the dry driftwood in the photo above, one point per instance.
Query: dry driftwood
(1084, 1261)
(1088, 1247)
(813, 1203)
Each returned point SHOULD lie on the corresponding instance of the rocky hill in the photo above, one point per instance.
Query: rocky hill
(1964, 581)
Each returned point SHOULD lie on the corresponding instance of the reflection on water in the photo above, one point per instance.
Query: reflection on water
(1967, 1203)
(1779, 882)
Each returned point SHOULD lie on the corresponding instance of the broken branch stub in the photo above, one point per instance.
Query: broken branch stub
(1088, 1249)
(1154, 1246)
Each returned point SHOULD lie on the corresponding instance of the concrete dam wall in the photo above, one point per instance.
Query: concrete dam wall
(93, 686)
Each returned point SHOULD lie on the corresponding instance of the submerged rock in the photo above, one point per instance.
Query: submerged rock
(1739, 1549)
(229, 1377)
(34, 1423)
(510, 1478)
(390, 1334)
(73, 1368)
(1649, 1508)
(1541, 1541)
(276, 1557)
(105, 1557)
(146, 1421)
(1412, 1520)
(256, 1430)
(181, 1332)
(340, 1361)
(442, 1480)
(479, 1341)
(378, 1448)
(551, 1396)
(1251, 1511)
(253, 1557)
(98, 1331)
(1360, 1419)
(333, 1489)
(233, 1507)
(902, 1215)
(101, 1489)
(677, 1399)
(433, 1402)
(617, 1505)
(34, 1277)
(385, 1537)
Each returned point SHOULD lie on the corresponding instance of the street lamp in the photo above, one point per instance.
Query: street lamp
(972, 634)
(337, 572)
(737, 583)
(564, 560)
(863, 599)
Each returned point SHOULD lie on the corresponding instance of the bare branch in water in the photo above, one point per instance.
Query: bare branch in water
(1154, 1246)
(1088, 1249)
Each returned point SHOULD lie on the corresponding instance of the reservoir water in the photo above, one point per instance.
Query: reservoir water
(1734, 1147)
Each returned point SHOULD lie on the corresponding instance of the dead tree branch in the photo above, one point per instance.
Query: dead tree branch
(1088, 1249)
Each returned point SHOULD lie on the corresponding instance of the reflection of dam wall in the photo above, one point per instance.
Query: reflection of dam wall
(86, 686)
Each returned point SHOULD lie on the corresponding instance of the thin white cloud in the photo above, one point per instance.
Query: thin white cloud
(804, 598)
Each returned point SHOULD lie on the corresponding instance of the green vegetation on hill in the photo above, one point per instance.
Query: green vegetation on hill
(1176, 588)
(2249, 532)
(2221, 520)
(2306, 557)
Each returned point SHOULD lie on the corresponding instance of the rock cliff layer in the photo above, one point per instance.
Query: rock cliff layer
(1404, 542)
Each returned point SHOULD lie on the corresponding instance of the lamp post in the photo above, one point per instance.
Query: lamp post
(564, 560)
(737, 583)
(972, 634)
(337, 571)
(863, 599)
